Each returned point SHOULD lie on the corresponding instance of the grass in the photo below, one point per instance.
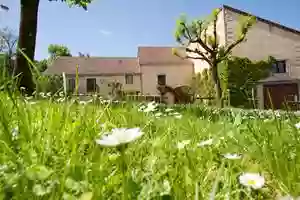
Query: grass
(48, 151)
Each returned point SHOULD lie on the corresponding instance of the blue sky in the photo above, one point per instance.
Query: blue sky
(117, 27)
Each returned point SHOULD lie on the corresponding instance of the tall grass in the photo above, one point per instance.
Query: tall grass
(48, 151)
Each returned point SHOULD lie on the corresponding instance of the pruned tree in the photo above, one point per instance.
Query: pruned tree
(8, 42)
(27, 38)
(200, 40)
(57, 50)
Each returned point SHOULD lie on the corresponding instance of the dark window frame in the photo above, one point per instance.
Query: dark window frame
(279, 67)
(129, 79)
(91, 88)
(162, 81)
(71, 84)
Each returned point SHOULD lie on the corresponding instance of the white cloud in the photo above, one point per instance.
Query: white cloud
(105, 32)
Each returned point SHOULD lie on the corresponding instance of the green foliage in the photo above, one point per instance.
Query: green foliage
(56, 50)
(49, 83)
(42, 65)
(243, 75)
(238, 76)
(200, 40)
(203, 84)
(48, 151)
(78, 3)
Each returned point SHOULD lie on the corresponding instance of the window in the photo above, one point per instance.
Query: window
(129, 79)
(91, 85)
(279, 67)
(71, 84)
(161, 79)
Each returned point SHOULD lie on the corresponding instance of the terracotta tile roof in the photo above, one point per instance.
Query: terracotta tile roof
(160, 55)
(94, 65)
(226, 7)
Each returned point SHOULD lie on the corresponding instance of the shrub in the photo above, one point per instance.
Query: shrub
(243, 75)
(49, 83)
(238, 76)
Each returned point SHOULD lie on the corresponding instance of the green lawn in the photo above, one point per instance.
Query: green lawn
(49, 151)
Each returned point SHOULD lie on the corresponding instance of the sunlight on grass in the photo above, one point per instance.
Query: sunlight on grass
(57, 148)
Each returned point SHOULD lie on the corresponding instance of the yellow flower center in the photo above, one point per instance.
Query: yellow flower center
(251, 182)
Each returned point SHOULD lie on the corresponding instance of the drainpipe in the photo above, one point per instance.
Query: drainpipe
(141, 78)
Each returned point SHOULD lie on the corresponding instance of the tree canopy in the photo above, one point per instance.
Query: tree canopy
(56, 50)
(27, 38)
(200, 40)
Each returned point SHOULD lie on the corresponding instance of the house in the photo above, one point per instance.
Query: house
(265, 38)
(139, 74)
(155, 65)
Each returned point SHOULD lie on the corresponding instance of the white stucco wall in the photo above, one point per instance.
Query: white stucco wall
(176, 75)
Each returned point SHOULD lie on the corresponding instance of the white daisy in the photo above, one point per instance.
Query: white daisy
(150, 107)
(178, 116)
(119, 136)
(182, 144)
(15, 133)
(252, 180)
(232, 156)
(205, 143)
(297, 125)
(169, 110)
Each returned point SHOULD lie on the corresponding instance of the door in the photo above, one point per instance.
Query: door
(277, 95)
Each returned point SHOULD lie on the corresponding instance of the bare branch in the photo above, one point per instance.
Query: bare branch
(201, 54)
(197, 40)
(215, 45)
(193, 57)
(231, 46)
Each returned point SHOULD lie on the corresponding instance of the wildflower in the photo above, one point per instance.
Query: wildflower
(158, 115)
(15, 133)
(119, 136)
(150, 107)
(166, 187)
(252, 180)
(181, 145)
(297, 125)
(178, 116)
(141, 108)
(205, 143)
(169, 110)
(42, 94)
(232, 156)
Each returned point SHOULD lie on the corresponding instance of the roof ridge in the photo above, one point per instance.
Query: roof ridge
(98, 57)
(241, 12)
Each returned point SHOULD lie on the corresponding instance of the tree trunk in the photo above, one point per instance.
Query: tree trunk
(217, 83)
(26, 42)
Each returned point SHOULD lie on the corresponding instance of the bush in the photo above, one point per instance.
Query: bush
(203, 84)
(238, 76)
(49, 83)
(243, 75)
